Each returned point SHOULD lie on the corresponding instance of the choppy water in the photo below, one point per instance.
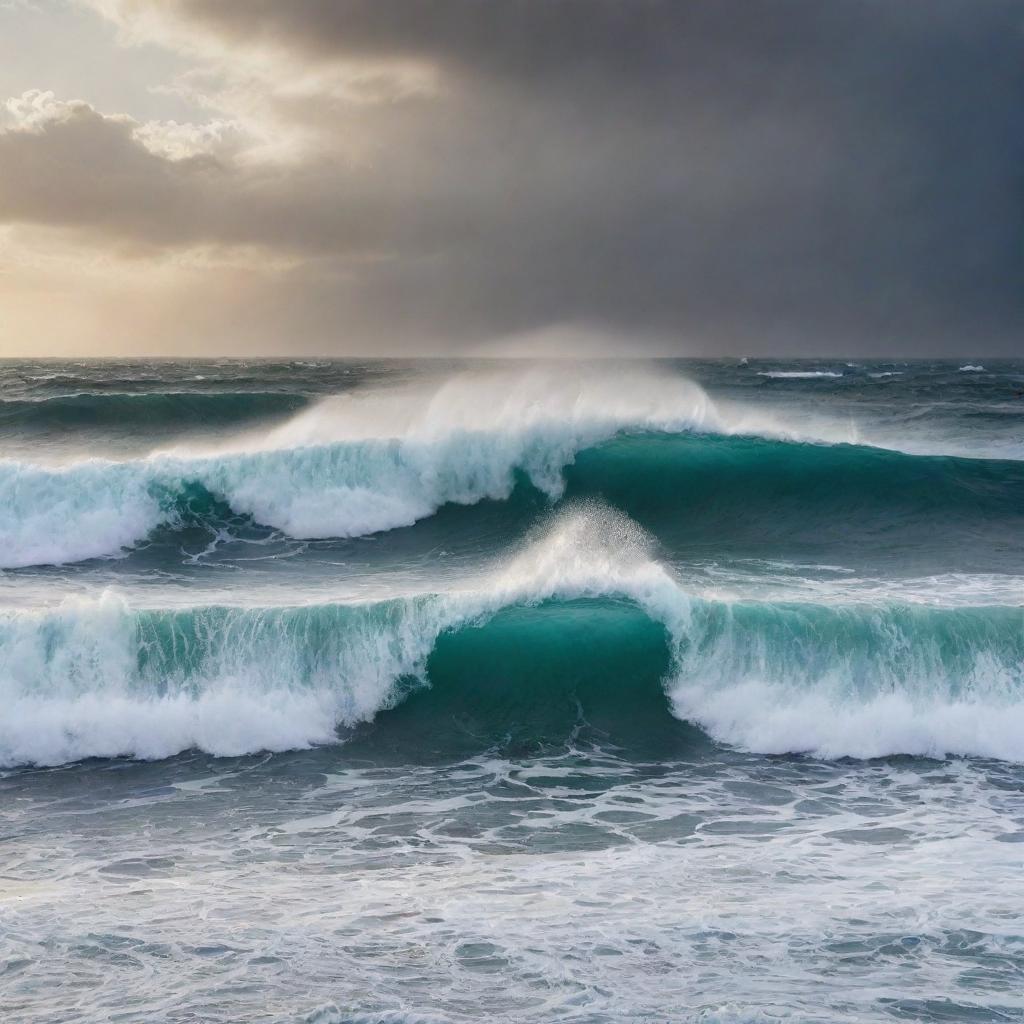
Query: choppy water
(445, 691)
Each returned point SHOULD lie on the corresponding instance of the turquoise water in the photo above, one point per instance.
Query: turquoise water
(447, 691)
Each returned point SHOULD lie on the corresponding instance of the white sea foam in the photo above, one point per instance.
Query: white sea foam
(773, 719)
(87, 510)
(972, 368)
(496, 893)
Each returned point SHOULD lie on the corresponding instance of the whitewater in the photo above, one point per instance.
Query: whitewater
(532, 691)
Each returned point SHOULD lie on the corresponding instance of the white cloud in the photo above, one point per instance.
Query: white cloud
(35, 108)
(174, 140)
(223, 139)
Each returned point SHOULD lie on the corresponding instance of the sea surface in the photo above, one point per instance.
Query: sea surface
(449, 691)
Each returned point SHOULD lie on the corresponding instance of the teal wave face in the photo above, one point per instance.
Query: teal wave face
(737, 471)
(534, 678)
(748, 496)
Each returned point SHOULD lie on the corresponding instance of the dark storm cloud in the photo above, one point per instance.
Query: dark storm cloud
(798, 175)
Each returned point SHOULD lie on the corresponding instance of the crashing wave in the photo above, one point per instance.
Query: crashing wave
(365, 462)
(98, 678)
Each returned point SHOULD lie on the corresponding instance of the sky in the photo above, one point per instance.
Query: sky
(360, 177)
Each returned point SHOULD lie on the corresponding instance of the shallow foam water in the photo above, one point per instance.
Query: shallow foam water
(577, 887)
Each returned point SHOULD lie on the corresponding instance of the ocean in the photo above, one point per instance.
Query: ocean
(458, 690)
